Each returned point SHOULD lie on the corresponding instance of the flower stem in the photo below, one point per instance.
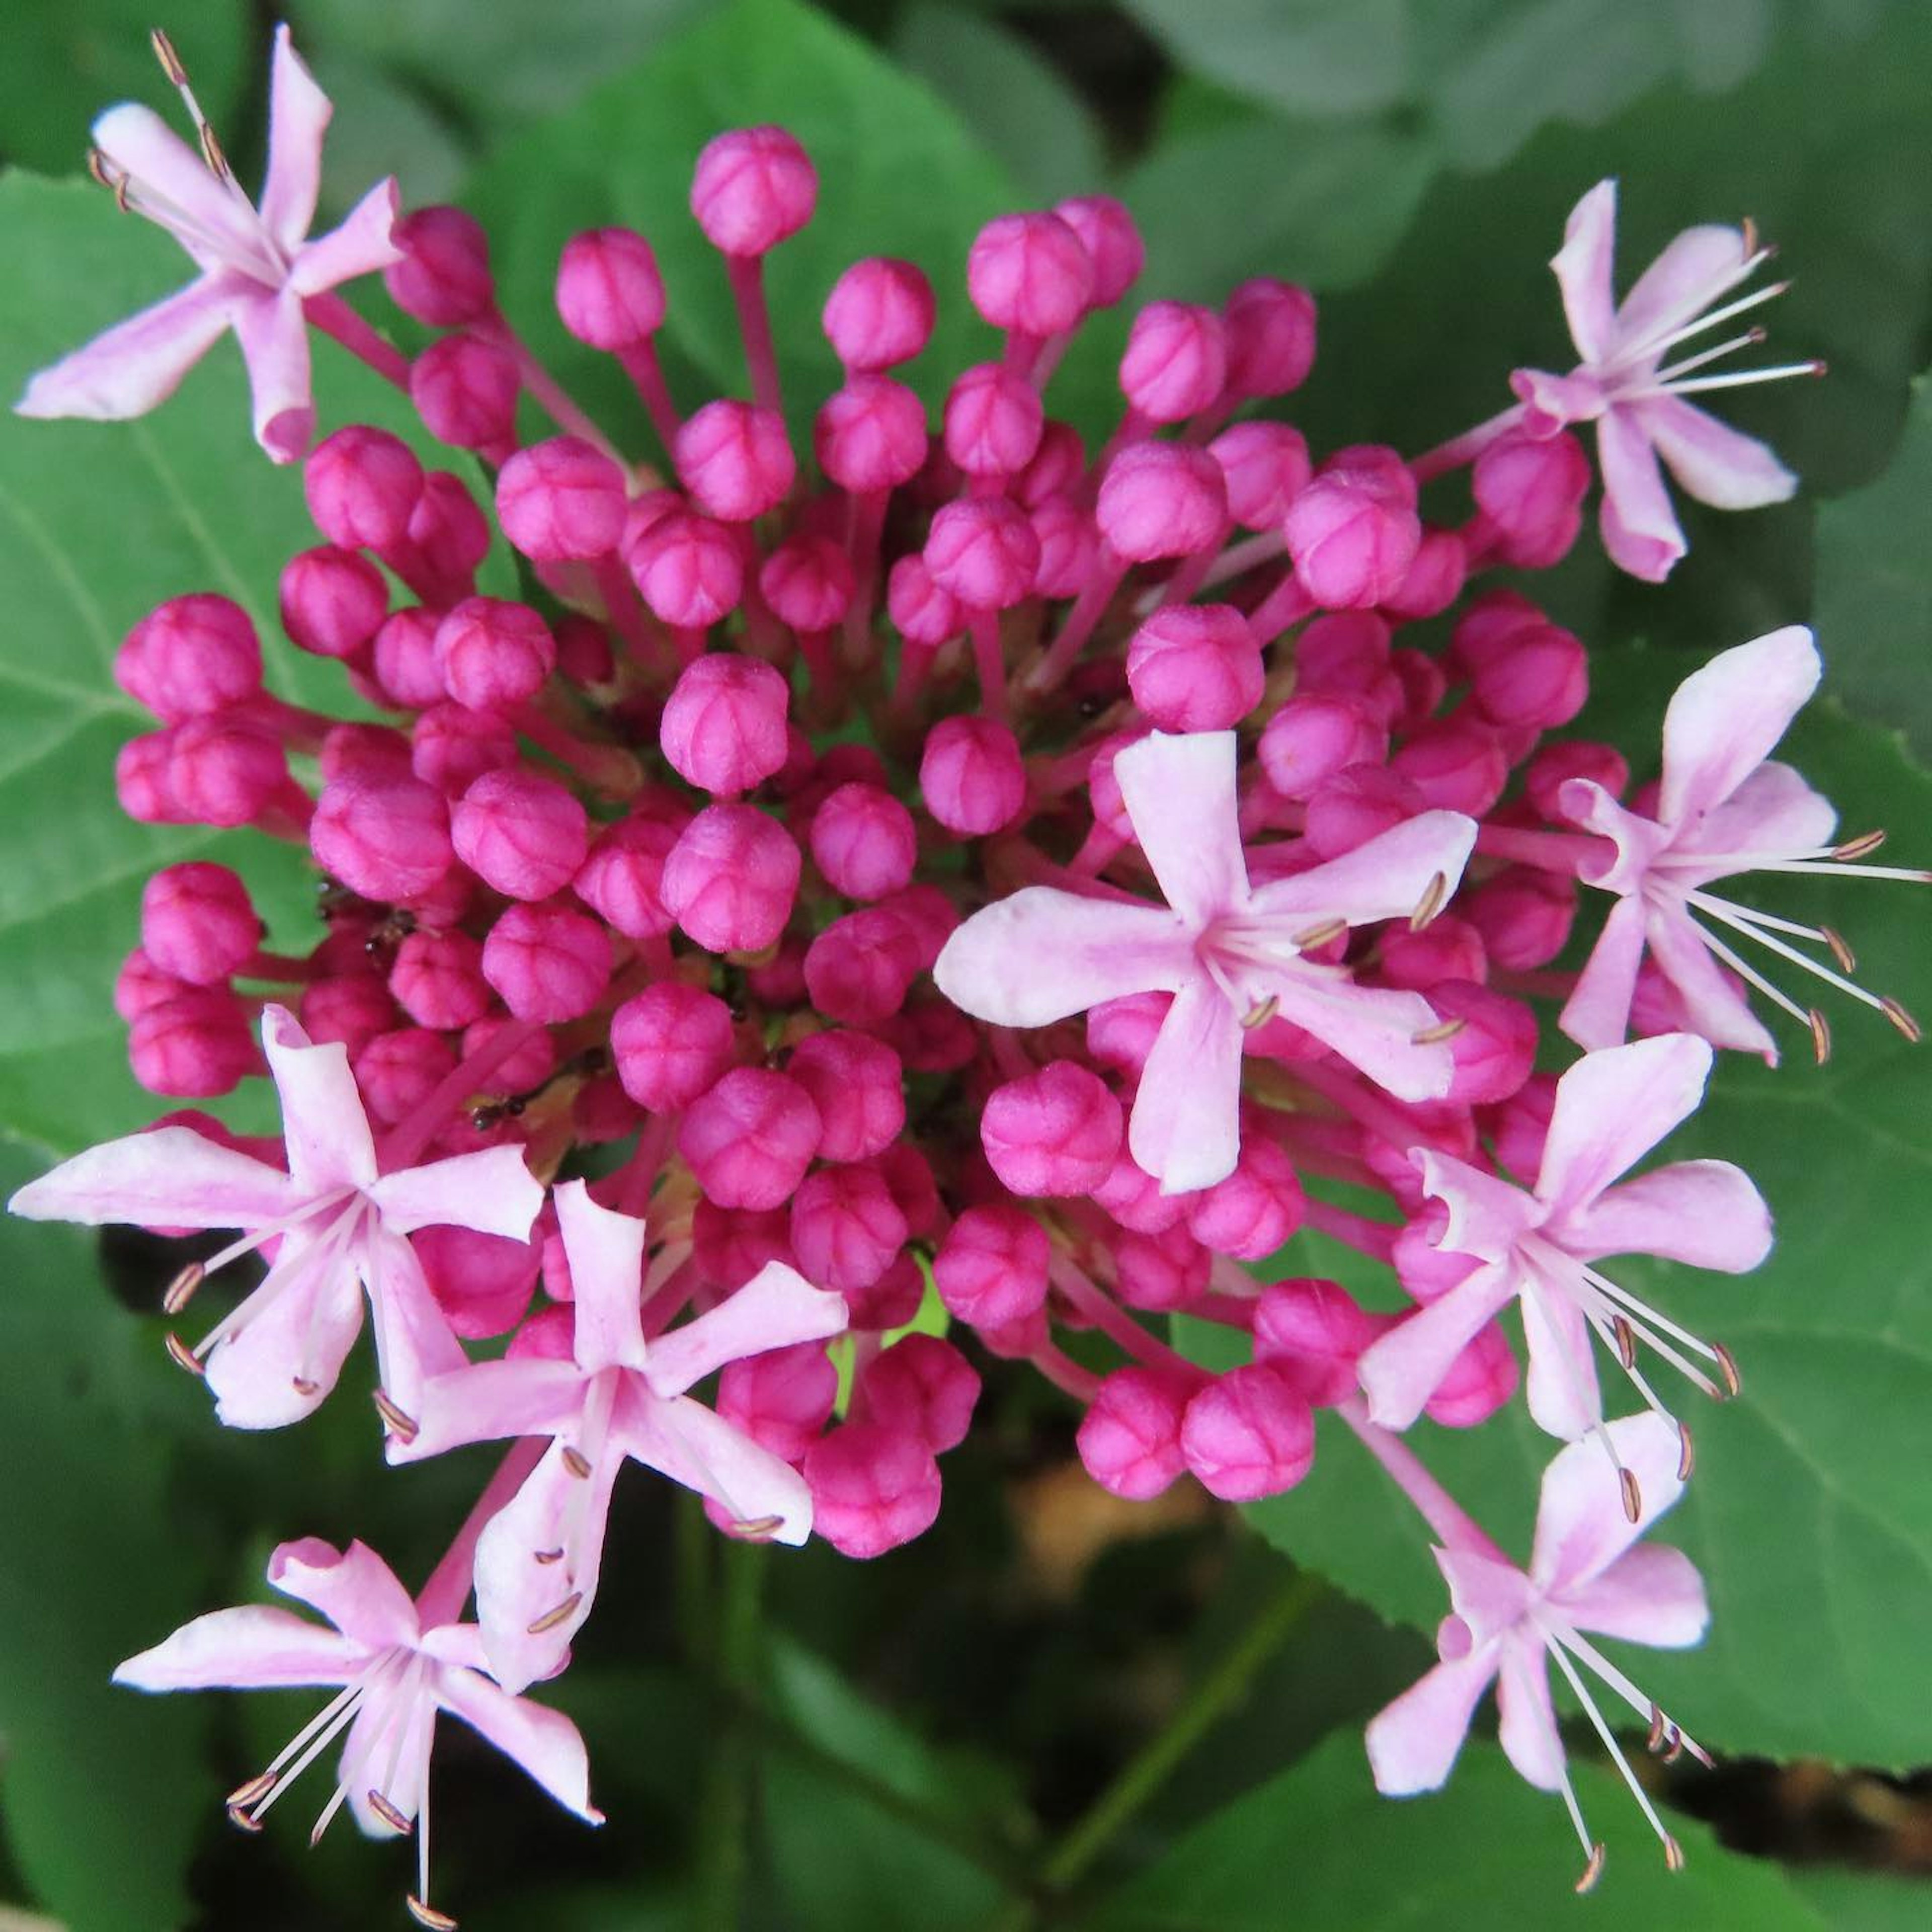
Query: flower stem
(727, 1812)
(336, 319)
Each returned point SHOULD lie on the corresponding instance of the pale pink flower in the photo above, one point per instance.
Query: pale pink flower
(258, 265)
(1231, 954)
(1722, 808)
(1508, 1625)
(1541, 1248)
(1626, 386)
(617, 1397)
(339, 1223)
(397, 1678)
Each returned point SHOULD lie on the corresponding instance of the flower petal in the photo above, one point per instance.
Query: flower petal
(298, 113)
(606, 1250)
(1696, 268)
(487, 1401)
(274, 335)
(1528, 1732)
(1711, 461)
(1583, 266)
(1581, 1528)
(388, 1750)
(1715, 1007)
(1773, 813)
(543, 1742)
(1179, 790)
(1652, 1594)
(414, 1341)
(1405, 1367)
(360, 245)
(138, 363)
(686, 1441)
(354, 1589)
(299, 1327)
(170, 178)
(1611, 1108)
(1563, 1394)
(253, 1647)
(1387, 877)
(1705, 1213)
(492, 1191)
(326, 1131)
(172, 1177)
(1639, 529)
(1372, 1027)
(1185, 1127)
(1490, 1596)
(1596, 1014)
(1725, 717)
(1487, 1215)
(1412, 1743)
(775, 1308)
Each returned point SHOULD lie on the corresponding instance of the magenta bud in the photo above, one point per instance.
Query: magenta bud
(446, 526)
(922, 612)
(1058, 467)
(870, 435)
(730, 1245)
(405, 663)
(450, 747)
(609, 292)
(1266, 467)
(622, 879)
(481, 1282)
(1353, 532)
(1457, 764)
(444, 276)
(724, 725)
(437, 979)
(748, 1141)
(1536, 682)
(924, 1387)
(1480, 1380)
(1358, 804)
(1248, 1435)
(141, 983)
(1162, 1272)
(983, 550)
(1131, 1197)
(361, 484)
(1487, 626)
(1176, 362)
(1311, 1332)
(1031, 274)
(731, 879)
(993, 421)
(194, 1047)
(1530, 491)
(222, 771)
(1121, 1032)
(333, 601)
(872, 1488)
(860, 968)
(1312, 737)
(864, 841)
(781, 1399)
(562, 499)
(808, 582)
(846, 1228)
(466, 390)
(1161, 499)
(1070, 547)
(1520, 1126)
(397, 1072)
(1524, 915)
(736, 459)
(1129, 1438)
(1196, 667)
(1256, 1209)
(1423, 682)
(1434, 580)
(1447, 948)
(1113, 244)
(386, 838)
(189, 657)
(890, 1302)
(547, 962)
(671, 1043)
(879, 312)
(529, 1065)
(856, 1084)
(1555, 765)
(687, 568)
(1270, 328)
(1055, 1132)
(521, 832)
(752, 188)
(141, 786)
(990, 1270)
(1103, 787)
(1495, 1050)
(352, 1009)
(197, 924)
(493, 655)
(971, 776)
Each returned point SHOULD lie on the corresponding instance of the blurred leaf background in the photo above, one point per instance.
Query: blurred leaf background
(980, 1731)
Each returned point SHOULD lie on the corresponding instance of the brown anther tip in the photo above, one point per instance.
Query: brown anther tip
(1848, 960)
(98, 170)
(120, 192)
(1431, 903)
(1593, 1871)
(180, 1290)
(211, 151)
(758, 1528)
(1673, 1853)
(1727, 1367)
(548, 1555)
(550, 1619)
(1675, 1748)
(1259, 1014)
(576, 1461)
(1821, 1035)
(242, 1821)
(401, 1426)
(1435, 1035)
(424, 1913)
(1902, 1020)
(1756, 334)
(257, 1788)
(182, 1356)
(1687, 1456)
(1626, 1342)
(1319, 935)
(170, 61)
(1862, 847)
(1748, 229)
(1819, 367)
(1653, 1741)
(303, 1387)
(1632, 1495)
(387, 1812)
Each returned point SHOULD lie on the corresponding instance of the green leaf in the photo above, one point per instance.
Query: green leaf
(1874, 606)
(1317, 1846)
(1809, 1513)
(1865, 1901)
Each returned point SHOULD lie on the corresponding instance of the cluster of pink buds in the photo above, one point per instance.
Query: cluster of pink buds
(938, 864)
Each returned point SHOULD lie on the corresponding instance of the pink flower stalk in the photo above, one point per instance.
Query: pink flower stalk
(1628, 386)
(259, 268)
(1541, 1248)
(616, 1397)
(1724, 807)
(398, 1672)
(1232, 954)
(1586, 1574)
(338, 1223)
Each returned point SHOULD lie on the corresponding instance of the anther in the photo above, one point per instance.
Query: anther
(1673, 1853)
(180, 1290)
(576, 1461)
(550, 1619)
(1821, 1035)
(1430, 904)
(257, 1788)
(183, 1356)
(401, 1426)
(303, 1387)
(1687, 1456)
(1862, 847)
(1749, 230)
(210, 153)
(1901, 1019)
(758, 1528)
(242, 1820)
(170, 61)
(1626, 1342)
(424, 1913)
(1674, 1749)
(1817, 366)
(387, 1812)
(1319, 935)
(1632, 1495)
(103, 175)
(1435, 1036)
(1654, 1740)
(1848, 960)
(548, 1555)
(1593, 1871)
(1727, 1367)
(1261, 1012)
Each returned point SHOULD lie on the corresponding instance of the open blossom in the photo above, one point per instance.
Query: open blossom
(1228, 952)
(397, 1678)
(258, 264)
(1507, 1626)
(1541, 1248)
(1626, 383)
(615, 1397)
(338, 1223)
(1724, 806)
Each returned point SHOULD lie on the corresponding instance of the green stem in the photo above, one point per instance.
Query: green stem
(722, 1858)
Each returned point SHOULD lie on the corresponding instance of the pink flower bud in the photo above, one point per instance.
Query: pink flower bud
(1480, 1380)
(846, 1228)
(1457, 764)
(352, 1009)
(872, 1488)
(1356, 805)
(781, 1399)
(141, 984)
(687, 570)
(437, 979)
(971, 776)
(444, 276)
(671, 1043)
(924, 1386)
(864, 841)
(521, 832)
(1555, 765)
(1447, 948)
(856, 1084)
(808, 582)
(450, 747)
(1256, 1209)
(361, 484)
(859, 969)
(1266, 467)
(1312, 737)
(190, 656)
(1311, 1332)
(1271, 335)
(879, 312)
(1347, 652)
(1520, 1126)
(197, 924)
(481, 1282)
(748, 1141)
(609, 292)
(731, 879)
(529, 1065)
(1486, 626)
(729, 1245)
(1113, 244)
(1162, 1272)
(1524, 915)
(1530, 491)
(736, 459)
(870, 435)
(1121, 1032)
(922, 611)
(493, 655)
(1538, 681)
(1030, 273)
(466, 390)
(753, 187)
(1054, 1133)
(1424, 683)
(1129, 1438)
(724, 725)
(1131, 1196)
(223, 771)
(396, 1072)
(1353, 532)
(1058, 467)
(1196, 667)
(405, 662)
(983, 550)
(194, 1047)
(1070, 547)
(1496, 1048)
(1161, 499)
(547, 962)
(622, 879)
(1248, 1435)
(993, 421)
(990, 1270)
(1176, 362)
(448, 528)
(1434, 580)
(561, 500)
